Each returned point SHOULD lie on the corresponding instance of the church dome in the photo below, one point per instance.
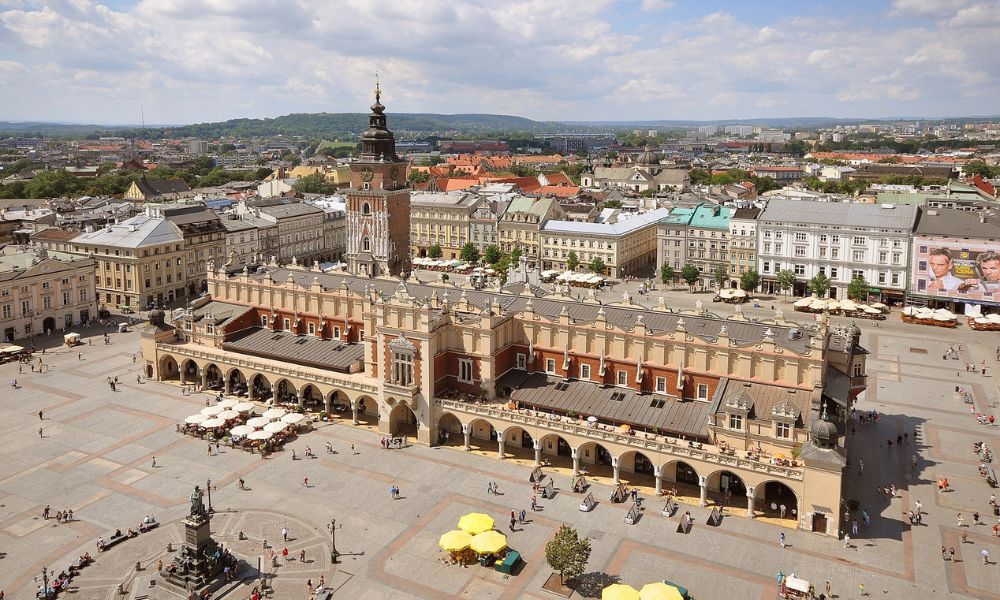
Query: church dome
(824, 434)
(157, 316)
(647, 157)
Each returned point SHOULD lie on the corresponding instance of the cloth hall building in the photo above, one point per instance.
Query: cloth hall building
(723, 409)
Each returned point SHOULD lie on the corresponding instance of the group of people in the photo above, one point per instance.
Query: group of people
(61, 516)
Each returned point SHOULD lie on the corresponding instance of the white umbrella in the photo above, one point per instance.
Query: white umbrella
(592, 419)
(241, 430)
(213, 423)
(259, 435)
(196, 419)
(244, 407)
(228, 414)
(228, 403)
(258, 422)
(212, 410)
(292, 418)
(274, 413)
(275, 426)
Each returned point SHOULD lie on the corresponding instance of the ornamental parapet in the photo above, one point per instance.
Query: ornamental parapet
(639, 441)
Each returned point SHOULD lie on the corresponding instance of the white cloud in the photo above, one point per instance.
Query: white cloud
(198, 60)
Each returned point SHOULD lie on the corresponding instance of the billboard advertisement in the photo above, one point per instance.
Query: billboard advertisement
(959, 270)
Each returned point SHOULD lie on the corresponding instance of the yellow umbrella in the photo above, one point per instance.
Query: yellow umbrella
(779, 456)
(475, 523)
(619, 591)
(625, 427)
(455, 540)
(489, 542)
(659, 591)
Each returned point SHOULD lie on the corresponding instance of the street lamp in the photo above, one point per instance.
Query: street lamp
(334, 555)
(45, 582)
(208, 486)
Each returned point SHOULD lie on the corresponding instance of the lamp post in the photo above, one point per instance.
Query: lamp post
(208, 487)
(334, 555)
(45, 583)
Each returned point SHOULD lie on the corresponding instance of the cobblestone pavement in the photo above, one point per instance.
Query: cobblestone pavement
(96, 450)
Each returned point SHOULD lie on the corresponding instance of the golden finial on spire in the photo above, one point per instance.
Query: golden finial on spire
(378, 91)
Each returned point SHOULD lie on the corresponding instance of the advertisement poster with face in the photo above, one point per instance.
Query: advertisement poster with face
(967, 272)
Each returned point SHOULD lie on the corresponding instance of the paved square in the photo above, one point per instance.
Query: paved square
(97, 446)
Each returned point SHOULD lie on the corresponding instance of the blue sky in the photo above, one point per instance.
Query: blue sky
(206, 60)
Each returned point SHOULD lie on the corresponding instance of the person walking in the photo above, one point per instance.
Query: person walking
(512, 521)
(781, 539)
(489, 487)
(975, 518)
(40, 432)
(353, 451)
(944, 553)
(302, 555)
(847, 541)
(40, 416)
(828, 587)
(154, 462)
(305, 481)
(918, 506)
(284, 534)
(961, 520)
(524, 516)
(951, 554)
(854, 528)
(985, 554)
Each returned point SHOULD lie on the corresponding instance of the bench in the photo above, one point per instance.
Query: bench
(113, 541)
(509, 563)
(324, 595)
(144, 527)
(991, 477)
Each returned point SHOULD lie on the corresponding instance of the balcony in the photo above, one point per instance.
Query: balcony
(639, 441)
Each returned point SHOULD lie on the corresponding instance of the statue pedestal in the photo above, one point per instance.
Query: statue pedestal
(198, 563)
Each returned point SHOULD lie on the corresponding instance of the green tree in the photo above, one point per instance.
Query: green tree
(786, 280)
(597, 266)
(690, 274)
(418, 176)
(567, 553)
(515, 255)
(572, 261)
(434, 251)
(53, 184)
(700, 176)
(493, 254)
(971, 168)
(314, 184)
(262, 173)
(667, 274)
(819, 285)
(857, 288)
(470, 253)
(749, 280)
(720, 275)
(611, 204)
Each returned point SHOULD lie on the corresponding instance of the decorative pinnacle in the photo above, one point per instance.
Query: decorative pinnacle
(378, 90)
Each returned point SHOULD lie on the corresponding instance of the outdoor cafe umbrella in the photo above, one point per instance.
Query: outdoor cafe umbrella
(619, 591)
(258, 422)
(241, 430)
(475, 523)
(275, 427)
(244, 407)
(196, 419)
(659, 591)
(259, 435)
(274, 413)
(292, 418)
(454, 540)
(213, 423)
(228, 414)
(228, 403)
(488, 542)
(212, 410)
(592, 419)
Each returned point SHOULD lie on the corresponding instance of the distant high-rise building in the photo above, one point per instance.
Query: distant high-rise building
(198, 147)
(708, 130)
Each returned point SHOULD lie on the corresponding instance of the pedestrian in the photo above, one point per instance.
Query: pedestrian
(861, 589)
(828, 588)
(40, 432)
(889, 443)
(975, 518)
(847, 541)
(524, 516)
(353, 451)
(216, 447)
(302, 555)
(284, 534)
(913, 461)
(781, 539)
(534, 504)
(918, 505)
(861, 467)
(45, 512)
(944, 553)
(961, 520)
(329, 448)
(40, 415)
(79, 356)
(293, 454)
(782, 510)
(305, 482)
(512, 523)
(951, 554)
(964, 537)
(854, 527)
(986, 556)
(210, 449)
(154, 462)
(489, 487)
(284, 553)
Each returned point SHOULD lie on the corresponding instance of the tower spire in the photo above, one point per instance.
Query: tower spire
(378, 91)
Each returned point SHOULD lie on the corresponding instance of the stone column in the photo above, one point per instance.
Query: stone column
(750, 492)
(467, 433)
(576, 463)
(703, 499)
(659, 481)
(301, 399)
(500, 447)
(328, 407)
(204, 378)
(274, 395)
(537, 445)
(354, 413)
(614, 465)
(228, 385)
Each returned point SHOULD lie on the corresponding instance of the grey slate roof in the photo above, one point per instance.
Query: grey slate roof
(611, 404)
(741, 333)
(842, 214)
(221, 311)
(959, 223)
(298, 349)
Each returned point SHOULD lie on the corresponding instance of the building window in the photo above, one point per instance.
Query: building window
(661, 384)
(465, 370)
(622, 378)
(65, 299)
(800, 269)
(402, 368)
(312, 328)
(336, 332)
(859, 369)
(521, 361)
(7, 313)
(366, 209)
(702, 391)
(736, 422)
(366, 244)
(585, 372)
(766, 267)
(782, 430)
(286, 324)
(550, 365)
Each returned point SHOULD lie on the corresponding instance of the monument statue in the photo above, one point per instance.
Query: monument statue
(197, 506)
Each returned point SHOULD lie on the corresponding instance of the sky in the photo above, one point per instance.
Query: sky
(190, 61)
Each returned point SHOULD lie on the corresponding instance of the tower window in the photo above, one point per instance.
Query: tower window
(366, 243)
(366, 209)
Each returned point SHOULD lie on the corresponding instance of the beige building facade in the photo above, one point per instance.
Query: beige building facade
(627, 247)
(521, 223)
(43, 292)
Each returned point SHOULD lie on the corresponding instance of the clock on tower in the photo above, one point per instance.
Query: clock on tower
(378, 203)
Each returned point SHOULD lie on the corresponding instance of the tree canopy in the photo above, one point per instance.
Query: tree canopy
(690, 274)
(667, 273)
(567, 553)
(749, 280)
(786, 279)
